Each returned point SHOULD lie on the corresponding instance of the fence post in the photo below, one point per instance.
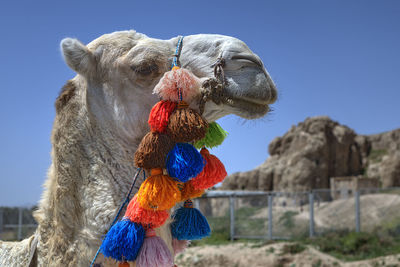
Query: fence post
(270, 199)
(232, 215)
(357, 210)
(311, 203)
(197, 203)
(1, 220)
(19, 233)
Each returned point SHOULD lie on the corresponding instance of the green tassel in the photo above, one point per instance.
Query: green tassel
(214, 137)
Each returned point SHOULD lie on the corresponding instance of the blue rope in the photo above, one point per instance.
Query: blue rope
(175, 61)
(138, 170)
(177, 52)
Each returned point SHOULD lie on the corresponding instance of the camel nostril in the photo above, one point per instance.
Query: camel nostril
(248, 57)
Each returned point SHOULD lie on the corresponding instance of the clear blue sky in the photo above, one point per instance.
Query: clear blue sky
(336, 58)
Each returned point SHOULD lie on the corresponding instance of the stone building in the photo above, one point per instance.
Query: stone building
(344, 187)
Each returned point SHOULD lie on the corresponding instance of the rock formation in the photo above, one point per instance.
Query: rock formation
(319, 148)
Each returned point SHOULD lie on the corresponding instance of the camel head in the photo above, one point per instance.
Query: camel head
(120, 70)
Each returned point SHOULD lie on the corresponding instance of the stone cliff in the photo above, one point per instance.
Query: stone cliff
(315, 150)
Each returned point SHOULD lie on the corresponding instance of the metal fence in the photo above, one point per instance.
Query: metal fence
(292, 215)
(16, 223)
(271, 215)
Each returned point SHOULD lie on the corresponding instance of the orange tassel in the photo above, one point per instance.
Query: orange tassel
(188, 191)
(123, 264)
(152, 218)
(212, 173)
(158, 192)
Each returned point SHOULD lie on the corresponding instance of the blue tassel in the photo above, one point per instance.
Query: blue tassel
(123, 241)
(189, 224)
(184, 162)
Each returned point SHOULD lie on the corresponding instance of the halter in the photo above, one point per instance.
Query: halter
(213, 88)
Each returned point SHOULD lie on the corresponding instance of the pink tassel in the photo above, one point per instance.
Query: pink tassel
(154, 252)
(179, 245)
(175, 79)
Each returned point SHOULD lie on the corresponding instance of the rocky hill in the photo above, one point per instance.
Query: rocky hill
(315, 150)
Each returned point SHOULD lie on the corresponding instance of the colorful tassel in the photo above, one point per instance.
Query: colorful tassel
(152, 218)
(173, 126)
(123, 241)
(158, 192)
(152, 150)
(189, 224)
(177, 85)
(154, 252)
(184, 162)
(179, 245)
(214, 137)
(212, 173)
(186, 125)
(188, 191)
(159, 115)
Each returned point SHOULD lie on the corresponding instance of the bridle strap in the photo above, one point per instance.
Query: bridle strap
(219, 73)
(213, 88)
(175, 60)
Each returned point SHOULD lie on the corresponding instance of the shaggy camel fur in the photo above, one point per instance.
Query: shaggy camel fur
(101, 116)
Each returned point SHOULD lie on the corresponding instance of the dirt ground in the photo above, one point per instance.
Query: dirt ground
(257, 255)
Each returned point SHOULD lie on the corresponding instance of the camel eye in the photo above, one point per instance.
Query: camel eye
(145, 69)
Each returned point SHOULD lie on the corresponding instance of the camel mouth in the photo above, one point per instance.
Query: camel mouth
(246, 105)
(247, 108)
(250, 102)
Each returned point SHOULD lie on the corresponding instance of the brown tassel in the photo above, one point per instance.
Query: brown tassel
(153, 150)
(186, 125)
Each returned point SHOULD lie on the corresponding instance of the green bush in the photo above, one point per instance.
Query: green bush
(356, 246)
(293, 248)
(287, 219)
(376, 155)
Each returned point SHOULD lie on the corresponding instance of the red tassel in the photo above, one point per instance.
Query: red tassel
(152, 218)
(212, 173)
(159, 115)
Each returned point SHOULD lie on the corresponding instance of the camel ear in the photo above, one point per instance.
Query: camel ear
(77, 56)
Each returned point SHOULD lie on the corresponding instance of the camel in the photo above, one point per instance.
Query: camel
(101, 116)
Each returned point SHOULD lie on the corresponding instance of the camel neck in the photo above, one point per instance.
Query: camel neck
(90, 173)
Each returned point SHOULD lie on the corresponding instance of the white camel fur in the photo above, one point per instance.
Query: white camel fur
(101, 116)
